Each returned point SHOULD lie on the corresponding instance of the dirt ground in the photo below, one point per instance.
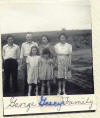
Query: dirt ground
(81, 81)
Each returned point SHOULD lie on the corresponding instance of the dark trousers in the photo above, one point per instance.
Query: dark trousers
(25, 80)
(25, 76)
(10, 69)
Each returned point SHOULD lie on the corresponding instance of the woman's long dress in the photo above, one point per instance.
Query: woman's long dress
(63, 59)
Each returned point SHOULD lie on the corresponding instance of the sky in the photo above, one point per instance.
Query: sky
(45, 16)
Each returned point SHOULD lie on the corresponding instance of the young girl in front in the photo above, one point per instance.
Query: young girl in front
(32, 69)
(45, 70)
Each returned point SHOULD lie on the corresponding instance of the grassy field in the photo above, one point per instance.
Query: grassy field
(82, 69)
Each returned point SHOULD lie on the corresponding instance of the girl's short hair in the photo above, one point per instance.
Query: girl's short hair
(46, 51)
(63, 35)
(36, 49)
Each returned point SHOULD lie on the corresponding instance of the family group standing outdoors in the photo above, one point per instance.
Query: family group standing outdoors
(39, 63)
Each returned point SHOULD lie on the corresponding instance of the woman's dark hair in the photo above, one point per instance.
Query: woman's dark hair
(8, 36)
(36, 49)
(46, 51)
(63, 35)
(46, 37)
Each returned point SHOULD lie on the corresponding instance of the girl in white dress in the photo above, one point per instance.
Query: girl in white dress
(63, 51)
(32, 69)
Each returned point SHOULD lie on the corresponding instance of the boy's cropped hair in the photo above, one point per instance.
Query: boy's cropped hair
(8, 36)
(63, 35)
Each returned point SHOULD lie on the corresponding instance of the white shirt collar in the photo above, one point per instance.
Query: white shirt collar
(30, 42)
(11, 46)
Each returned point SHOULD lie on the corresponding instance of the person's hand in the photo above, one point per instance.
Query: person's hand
(69, 68)
(2, 70)
(38, 81)
(54, 80)
(20, 67)
(50, 62)
(18, 60)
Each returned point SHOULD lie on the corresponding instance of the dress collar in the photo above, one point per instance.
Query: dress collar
(62, 44)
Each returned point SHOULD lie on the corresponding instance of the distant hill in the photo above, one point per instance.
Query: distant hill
(78, 38)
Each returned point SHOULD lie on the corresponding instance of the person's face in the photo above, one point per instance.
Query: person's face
(44, 40)
(46, 56)
(29, 38)
(34, 51)
(10, 40)
(62, 39)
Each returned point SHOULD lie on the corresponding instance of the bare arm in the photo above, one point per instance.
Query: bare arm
(18, 53)
(21, 54)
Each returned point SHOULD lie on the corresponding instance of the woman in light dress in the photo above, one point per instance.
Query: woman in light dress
(63, 51)
(33, 70)
(46, 44)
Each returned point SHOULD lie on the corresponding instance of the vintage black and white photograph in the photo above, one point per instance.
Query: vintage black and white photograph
(47, 51)
(47, 63)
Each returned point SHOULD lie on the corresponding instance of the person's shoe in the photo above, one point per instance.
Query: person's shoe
(36, 93)
(42, 93)
(29, 94)
(59, 93)
(64, 93)
(48, 93)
